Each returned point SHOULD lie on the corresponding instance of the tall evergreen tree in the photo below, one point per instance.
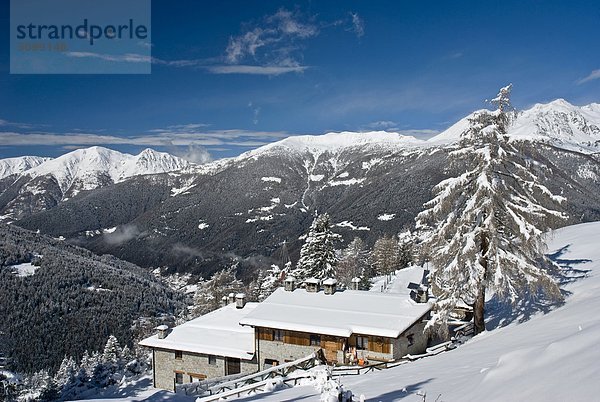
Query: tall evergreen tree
(486, 225)
(112, 350)
(317, 256)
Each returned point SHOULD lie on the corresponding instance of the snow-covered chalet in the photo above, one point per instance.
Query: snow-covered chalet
(343, 326)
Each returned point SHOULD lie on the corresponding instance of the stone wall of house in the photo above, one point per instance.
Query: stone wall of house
(190, 364)
(282, 352)
(401, 346)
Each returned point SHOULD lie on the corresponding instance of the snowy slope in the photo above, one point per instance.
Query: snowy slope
(20, 164)
(551, 357)
(334, 142)
(558, 122)
(93, 167)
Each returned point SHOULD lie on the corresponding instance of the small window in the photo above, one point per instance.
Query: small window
(278, 335)
(178, 378)
(362, 343)
(315, 340)
(270, 363)
(411, 339)
(178, 355)
(212, 360)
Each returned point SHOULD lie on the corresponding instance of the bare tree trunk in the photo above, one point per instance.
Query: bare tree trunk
(479, 305)
(479, 310)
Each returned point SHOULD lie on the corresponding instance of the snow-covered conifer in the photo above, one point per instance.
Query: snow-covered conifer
(317, 256)
(112, 350)
(486, 225)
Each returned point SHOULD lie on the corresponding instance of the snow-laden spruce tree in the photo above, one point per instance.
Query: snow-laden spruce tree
(486, 225)
(317, 256)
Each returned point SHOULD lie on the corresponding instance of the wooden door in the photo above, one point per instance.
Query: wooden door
(330, 346)
(232, 366)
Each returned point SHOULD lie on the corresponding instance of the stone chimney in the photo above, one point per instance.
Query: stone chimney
(312, 285)
(231, 298)
(330, 286)
(240, 300)
(355, 283)
(163, 331)
(289, 284)
(223, 301)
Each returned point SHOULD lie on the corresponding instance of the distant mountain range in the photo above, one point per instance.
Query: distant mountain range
(31, 184)
(254, 207)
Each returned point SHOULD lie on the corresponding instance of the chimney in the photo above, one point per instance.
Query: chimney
(163, 331)
(355, 283)
(290, 284)
(223, 301)
(312, 285)
(330, 286)
(240, 300)
(231, 298)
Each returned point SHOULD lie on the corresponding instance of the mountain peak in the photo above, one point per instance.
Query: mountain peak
(559, 122)
(90, 167)
(335, 141)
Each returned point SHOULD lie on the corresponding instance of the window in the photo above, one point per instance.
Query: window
(315, 340)
(178, 378)
(411, 339)
(270, 363)
(278, 335)
(196, 377)
(212, 360)
(178, 354)
(362, 343)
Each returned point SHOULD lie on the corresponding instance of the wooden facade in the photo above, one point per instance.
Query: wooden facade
(331, 345)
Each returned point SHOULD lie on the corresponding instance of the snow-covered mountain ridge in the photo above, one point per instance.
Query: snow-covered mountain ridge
(558, 123)
(33, 184)
(88, 166)
(10, 166)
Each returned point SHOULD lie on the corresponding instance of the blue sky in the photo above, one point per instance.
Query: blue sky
(228, 76)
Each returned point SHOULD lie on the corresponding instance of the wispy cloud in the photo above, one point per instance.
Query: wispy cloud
(382, 125)
(594, 75)
(392, 126)
(255, 112)
(159, 137)
(272, 46)
(358, 25)
(255, 70)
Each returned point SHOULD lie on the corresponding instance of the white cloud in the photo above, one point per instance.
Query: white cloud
(255, 112)
(158, 137)
(192, 153)
(269, 48)
(383, 125)
(594, 75)
(289, 24)
(358, 25)
(256, 70)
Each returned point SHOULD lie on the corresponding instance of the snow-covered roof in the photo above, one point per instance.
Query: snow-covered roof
(216, 333)
(340, 314)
